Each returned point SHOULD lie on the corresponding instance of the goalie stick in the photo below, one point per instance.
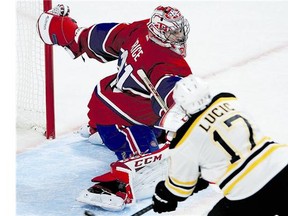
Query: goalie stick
(152, 89)
(160, 101)
(140, 212)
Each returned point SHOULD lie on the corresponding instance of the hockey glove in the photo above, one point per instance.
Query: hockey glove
(201, 185)
(55, 29)
(163, 200)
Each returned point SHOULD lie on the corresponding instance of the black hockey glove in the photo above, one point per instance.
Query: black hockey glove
(201, 185)
(163, 200)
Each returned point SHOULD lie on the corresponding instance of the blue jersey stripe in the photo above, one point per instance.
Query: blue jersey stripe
(99, 34)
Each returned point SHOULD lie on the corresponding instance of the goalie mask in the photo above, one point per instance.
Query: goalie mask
(192, 94)
(168, 28)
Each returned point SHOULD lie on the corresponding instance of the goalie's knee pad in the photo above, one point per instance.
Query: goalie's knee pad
(54, 29)
(127, 141)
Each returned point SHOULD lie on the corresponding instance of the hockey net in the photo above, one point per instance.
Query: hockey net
(34, 78)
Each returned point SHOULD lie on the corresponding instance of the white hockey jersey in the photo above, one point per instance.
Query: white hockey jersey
(225, 147)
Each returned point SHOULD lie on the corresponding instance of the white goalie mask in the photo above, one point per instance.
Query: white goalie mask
(168, 28)
(192, 94)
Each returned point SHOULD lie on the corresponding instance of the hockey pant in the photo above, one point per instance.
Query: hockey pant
(128, 141)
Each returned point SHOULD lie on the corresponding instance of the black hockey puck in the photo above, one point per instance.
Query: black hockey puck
(88, 213)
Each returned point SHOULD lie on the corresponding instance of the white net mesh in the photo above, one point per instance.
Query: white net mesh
(30, 83)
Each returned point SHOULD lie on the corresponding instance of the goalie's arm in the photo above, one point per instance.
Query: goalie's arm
(100, 41)
(55, 27)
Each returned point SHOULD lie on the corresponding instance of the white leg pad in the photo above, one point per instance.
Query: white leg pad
(146, 179)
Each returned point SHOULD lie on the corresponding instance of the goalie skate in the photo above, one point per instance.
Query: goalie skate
(103, 198)
(91, 134)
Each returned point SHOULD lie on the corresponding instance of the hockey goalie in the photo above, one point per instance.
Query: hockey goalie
(164, 36)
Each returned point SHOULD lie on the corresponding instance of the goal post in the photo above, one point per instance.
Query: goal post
(34, 76)
(49, 82)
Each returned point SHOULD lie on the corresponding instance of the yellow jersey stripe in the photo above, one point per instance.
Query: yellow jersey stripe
(178, 190)
(250, 168)
(187, 184)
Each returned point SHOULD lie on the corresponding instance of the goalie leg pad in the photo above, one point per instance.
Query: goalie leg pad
(146, 179)
(127, 181)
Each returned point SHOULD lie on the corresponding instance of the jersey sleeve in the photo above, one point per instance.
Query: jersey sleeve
(183, 174)
(103, 41)
(96, 43)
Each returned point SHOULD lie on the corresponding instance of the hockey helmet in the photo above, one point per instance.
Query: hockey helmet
(192, 94)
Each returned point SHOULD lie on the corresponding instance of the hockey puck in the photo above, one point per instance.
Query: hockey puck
(88, 213)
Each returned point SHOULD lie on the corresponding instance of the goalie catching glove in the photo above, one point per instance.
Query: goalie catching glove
(55, 27)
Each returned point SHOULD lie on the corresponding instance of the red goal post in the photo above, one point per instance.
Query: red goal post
(35, 83)
(49, 81)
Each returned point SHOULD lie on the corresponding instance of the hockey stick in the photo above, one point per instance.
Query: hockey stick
(143, 211)
(152, 89)
(140, 212)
